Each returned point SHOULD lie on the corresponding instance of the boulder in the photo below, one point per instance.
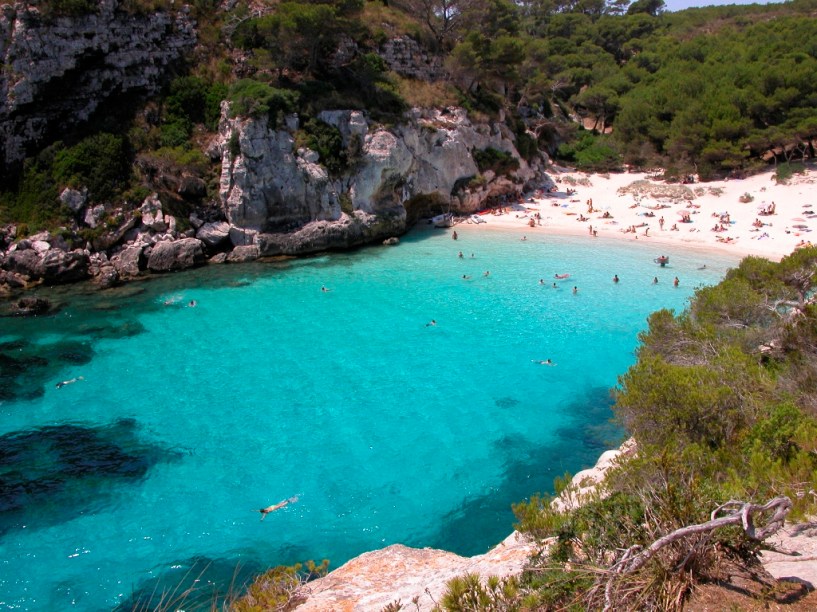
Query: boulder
(74, 199)
(24, 261)
(108, 277)
(94, 215)
(350, 230)
(176, 255)
(218, 258)
(192, 188)
(40, 246)
(109, 239)
(242, 237)
(130, 261)
(65, 267)
(11, 280)
(213, 234)
(241, 254)
(152, 216)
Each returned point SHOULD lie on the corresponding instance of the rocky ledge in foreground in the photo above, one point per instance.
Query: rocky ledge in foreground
(375, 579)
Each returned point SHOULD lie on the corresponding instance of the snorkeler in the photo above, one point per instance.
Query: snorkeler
(60, 385)
(265, 511)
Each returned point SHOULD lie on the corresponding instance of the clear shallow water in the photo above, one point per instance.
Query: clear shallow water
(190, 419)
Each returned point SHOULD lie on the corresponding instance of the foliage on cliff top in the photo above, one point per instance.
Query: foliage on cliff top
(723, 405)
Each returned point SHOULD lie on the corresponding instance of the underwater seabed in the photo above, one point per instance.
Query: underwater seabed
(149, 469)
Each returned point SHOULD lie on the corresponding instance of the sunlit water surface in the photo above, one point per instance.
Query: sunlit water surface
(149, 472)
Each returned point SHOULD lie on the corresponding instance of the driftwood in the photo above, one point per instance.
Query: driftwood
(738, 513)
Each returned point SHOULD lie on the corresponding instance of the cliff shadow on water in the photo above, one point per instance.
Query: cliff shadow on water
(530, 468)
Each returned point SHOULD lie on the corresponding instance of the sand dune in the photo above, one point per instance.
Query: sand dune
(634, 200)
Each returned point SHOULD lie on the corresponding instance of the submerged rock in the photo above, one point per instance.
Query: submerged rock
(30, 307)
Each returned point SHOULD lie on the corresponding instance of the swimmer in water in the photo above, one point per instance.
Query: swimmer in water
(615, 278)
(265, 511)
(543, 362)
(431, 323)
(325, 290)
(60, 385)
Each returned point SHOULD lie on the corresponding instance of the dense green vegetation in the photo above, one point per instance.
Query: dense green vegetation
(597, 83)
(722, 403)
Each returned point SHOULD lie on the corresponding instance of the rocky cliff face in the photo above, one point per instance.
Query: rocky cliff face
(277, 199)
(58, 70)
(283, 199)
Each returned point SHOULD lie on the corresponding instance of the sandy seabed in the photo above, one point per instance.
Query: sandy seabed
(725, 215)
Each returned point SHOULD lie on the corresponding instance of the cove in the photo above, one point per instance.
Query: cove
(187, 420)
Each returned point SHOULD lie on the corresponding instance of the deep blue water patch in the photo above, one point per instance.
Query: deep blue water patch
(26, 367)
(51, 474)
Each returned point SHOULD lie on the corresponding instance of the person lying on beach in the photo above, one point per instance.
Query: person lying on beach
(60, 385)
(265, 511)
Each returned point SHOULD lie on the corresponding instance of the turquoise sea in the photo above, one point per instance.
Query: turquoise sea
(148, 473)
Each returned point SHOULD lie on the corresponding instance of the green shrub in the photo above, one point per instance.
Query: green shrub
(328, 142)
(100, 162)
(591, 153)
(501, 162)
(251, 98)
(785, 171)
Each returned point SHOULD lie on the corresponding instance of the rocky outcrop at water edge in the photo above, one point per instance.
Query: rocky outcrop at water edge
(276, 198)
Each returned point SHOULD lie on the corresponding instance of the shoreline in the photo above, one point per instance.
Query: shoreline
(690, 212)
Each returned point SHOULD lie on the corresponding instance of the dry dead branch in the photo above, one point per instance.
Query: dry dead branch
(738, 513)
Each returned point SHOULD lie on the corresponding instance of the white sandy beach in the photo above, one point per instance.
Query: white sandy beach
(619, 203)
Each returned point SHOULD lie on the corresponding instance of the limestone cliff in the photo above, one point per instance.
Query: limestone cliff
(57, 71)
(283, 198)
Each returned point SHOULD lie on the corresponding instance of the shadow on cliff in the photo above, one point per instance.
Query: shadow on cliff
(50, 475)
(482, 522)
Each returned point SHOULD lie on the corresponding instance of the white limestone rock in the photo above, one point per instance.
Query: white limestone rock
(74, 199)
